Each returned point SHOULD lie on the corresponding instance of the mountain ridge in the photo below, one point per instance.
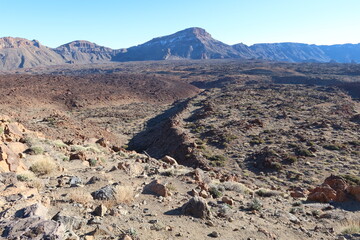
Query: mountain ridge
(190, 43)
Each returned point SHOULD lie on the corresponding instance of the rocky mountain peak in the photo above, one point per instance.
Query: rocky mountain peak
(11, 42)
(195, 31)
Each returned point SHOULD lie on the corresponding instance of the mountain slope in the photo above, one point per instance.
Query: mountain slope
(343, 53)
(191, 43)
(85, 52)
(22, 53)
(290, 52)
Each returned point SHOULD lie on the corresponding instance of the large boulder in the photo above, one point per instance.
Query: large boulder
(35, 228)
(196, 207)
(31, 223)
(334, 188)
(104, 193)
(157, 188)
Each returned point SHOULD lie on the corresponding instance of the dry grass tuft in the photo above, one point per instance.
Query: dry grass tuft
(80, 196)
(43, 166)
(124, 194)
(351, 226)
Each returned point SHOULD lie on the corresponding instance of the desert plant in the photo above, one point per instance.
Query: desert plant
(215, 193)
(333, 147)
(26, 176)
(124, 194)
(43, 166)
(351, 226)
(255, 205)
(80, 196)
(37, 150)
(266, 193)
(92, 162)
(60, 144)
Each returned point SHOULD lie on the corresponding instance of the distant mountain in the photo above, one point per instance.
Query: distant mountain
(85, 52)
(22, 53)
(290, 52)
(191, 43)
(343, 53)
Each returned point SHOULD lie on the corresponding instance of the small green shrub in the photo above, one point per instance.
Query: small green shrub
(36, 150)
(304, 152)
(291, 159)
(92, 162)
(353, 179)
(215, 193)
(333, 147)
(255, 205)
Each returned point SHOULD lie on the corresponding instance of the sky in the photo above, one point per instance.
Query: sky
(124, 23)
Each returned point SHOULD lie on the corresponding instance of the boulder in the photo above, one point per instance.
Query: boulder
(102, 142)
(75, 181)
(355, 191)
(228, 201)
(35, 228)
(169, 160)
(196, 207)
(157, 188)
(9, 160)
(334, 188)
(100, 210)
(104, 193)
(36, 209)
(78, 155)
(299, 192)
(322, 194)
(69, 222)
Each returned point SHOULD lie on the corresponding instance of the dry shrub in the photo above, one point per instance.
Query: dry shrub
(124, 194)
(31, 180)
(43, 165)
(36, 183)
(80, 196)
(351, 226)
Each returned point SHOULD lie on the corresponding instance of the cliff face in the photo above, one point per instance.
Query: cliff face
(22, 53)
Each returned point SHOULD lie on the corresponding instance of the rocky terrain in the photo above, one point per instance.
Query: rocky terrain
(181, 150)
(191, 43)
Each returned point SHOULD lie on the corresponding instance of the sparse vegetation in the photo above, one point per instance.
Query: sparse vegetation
(255, 205)
(351, 227)
(124, 194)
(43, 166)
(80, 196)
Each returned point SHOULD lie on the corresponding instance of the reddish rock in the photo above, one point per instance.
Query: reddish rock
(14, 131)
(228, 201)
(155, 187)
(299, 192)
(102, 142)
(9, 160)
(323, 194)
(334, 188)
(336, 183)
(169, 160)
(78, 155)
(355, 191)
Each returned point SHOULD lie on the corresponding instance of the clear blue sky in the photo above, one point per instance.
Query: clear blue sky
(124, 23)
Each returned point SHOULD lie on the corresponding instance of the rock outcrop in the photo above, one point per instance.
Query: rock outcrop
(11, 147)
(336, 189)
